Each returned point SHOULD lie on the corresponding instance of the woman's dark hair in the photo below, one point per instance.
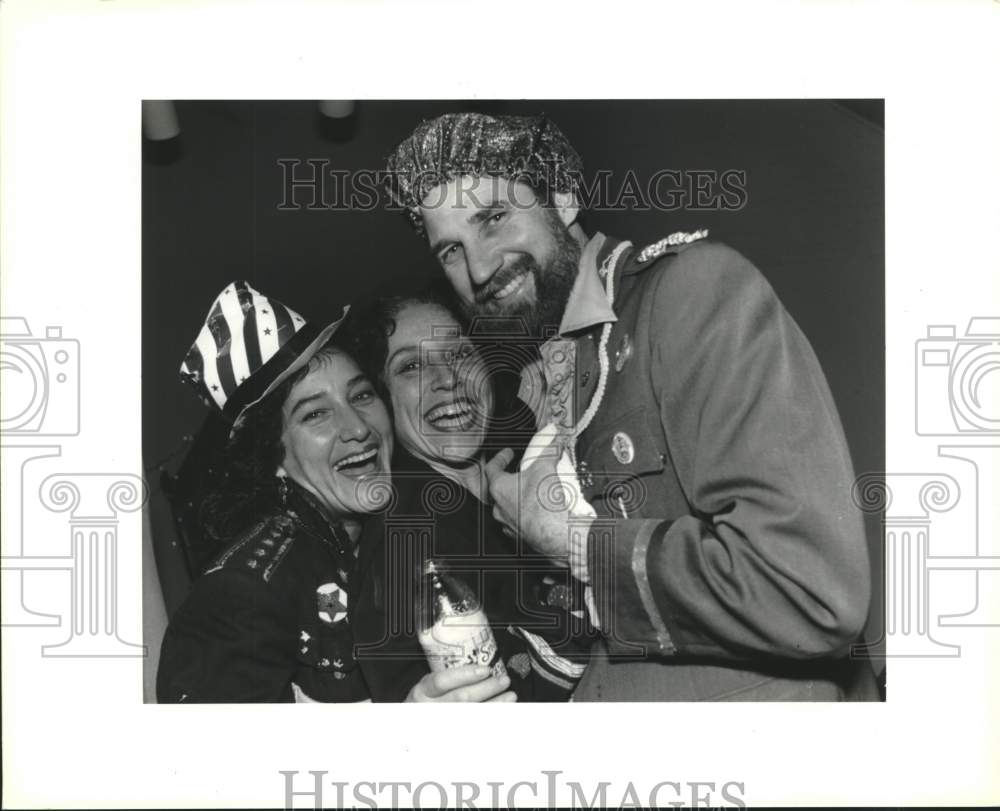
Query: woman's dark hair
(369, 326)
(248, 488)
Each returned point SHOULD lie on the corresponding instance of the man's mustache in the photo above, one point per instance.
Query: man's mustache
(499, 280)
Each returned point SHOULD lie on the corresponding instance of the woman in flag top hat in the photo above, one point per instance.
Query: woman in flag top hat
(270, 619)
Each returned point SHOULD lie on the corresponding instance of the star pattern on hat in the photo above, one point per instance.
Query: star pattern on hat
(233, 348)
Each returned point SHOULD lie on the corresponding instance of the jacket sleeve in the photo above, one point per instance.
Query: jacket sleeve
(555, 633)
(231, 641)
(771, 559)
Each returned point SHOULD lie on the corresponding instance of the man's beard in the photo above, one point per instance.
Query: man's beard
(553, 284)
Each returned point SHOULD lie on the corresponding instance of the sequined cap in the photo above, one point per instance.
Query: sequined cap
(527, 148)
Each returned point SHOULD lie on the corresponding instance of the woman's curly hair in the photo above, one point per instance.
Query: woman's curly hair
(368, 327)
(248, 489)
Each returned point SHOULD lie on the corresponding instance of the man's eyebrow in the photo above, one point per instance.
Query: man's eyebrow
(485, 212)
(438, 246)
(475, 218)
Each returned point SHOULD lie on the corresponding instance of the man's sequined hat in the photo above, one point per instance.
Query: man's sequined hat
(527, 148)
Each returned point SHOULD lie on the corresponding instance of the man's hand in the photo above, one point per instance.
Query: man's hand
(532, 503)
(466, 683)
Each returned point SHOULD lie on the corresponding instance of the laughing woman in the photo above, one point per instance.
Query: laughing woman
(308, 461)
(444, 411)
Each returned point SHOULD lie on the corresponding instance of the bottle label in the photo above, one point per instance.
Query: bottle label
(453, 644)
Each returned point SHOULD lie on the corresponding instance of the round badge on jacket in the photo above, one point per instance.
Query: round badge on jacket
(622, 448)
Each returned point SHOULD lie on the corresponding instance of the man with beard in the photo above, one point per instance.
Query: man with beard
(723, 555)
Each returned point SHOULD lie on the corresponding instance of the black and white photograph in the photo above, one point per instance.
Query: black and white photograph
(572, 437)
(575, 405)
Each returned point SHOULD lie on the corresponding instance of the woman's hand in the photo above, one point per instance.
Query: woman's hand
(466, 683)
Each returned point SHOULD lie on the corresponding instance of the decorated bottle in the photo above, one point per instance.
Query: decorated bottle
(452, 626)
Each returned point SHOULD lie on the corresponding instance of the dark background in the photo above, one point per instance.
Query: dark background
(813, 223)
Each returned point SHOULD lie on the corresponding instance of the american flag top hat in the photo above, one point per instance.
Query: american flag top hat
(248, 345)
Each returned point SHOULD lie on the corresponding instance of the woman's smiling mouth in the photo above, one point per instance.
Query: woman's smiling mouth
(454, 415)
(359, 464)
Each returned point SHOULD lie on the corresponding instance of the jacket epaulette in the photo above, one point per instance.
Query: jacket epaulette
(261, 548)
(673, 244)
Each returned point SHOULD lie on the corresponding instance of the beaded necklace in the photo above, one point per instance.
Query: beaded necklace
(607, 272)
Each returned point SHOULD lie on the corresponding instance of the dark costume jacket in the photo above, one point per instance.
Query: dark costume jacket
(727, 560)
(526, 599)
(269, 621)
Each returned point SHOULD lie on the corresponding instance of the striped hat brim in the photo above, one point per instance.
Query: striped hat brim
(292, 356)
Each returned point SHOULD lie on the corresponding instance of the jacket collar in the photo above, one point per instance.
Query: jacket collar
(587, 305)
(312, 516)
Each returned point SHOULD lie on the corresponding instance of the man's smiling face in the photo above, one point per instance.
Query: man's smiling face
(503, 252)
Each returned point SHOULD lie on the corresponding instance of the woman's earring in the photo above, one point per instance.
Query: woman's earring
(283, 490)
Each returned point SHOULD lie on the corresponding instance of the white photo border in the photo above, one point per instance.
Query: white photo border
(73, 74)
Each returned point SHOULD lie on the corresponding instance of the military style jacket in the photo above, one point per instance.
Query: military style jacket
(727, 560)
(269, 621)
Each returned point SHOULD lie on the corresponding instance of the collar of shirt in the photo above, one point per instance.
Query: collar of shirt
(587, 305)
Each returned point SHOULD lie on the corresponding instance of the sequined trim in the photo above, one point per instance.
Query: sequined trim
(225, 556)
(456, 144)
(679, 238)
(278, 555)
